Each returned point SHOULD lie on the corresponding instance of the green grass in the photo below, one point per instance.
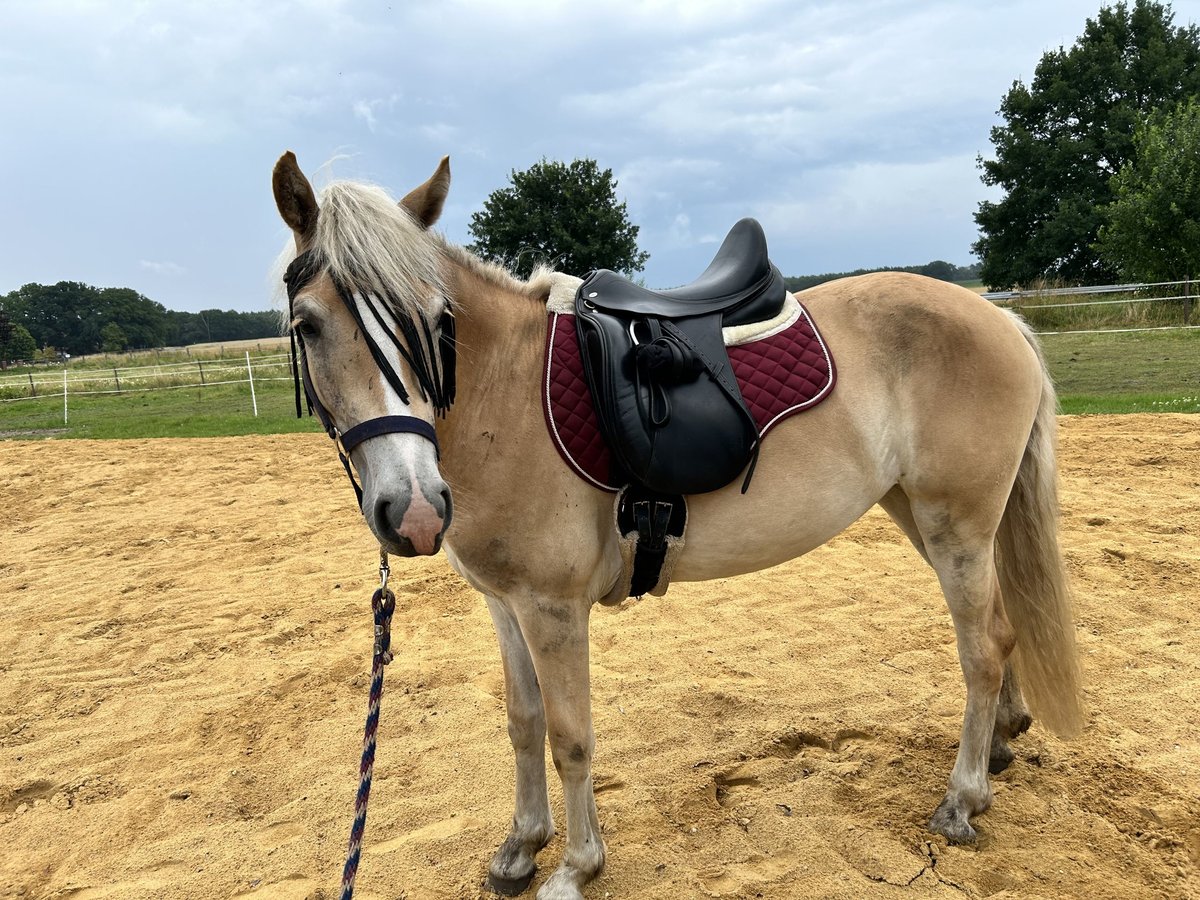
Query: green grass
(1081, 404)
(1160, 365)
(1052, 312)
(1153, 371)
(183, 412)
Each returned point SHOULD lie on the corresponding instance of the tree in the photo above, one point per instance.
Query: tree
(70, 316)
(112, 338)
(16, 343)
(564, 215)
(1152, 230)
(1068, 133)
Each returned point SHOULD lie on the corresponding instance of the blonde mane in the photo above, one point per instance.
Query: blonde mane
(373, 246)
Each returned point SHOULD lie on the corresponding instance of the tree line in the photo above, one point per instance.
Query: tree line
(939, 269)
(79, 319)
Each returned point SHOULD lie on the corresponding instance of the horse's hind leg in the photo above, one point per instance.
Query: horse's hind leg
(512, 868)
(1012, 720)
(1012, 716)
(961, 553)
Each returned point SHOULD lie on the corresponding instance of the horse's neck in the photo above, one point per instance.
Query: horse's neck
(497, 414)
(510, 487)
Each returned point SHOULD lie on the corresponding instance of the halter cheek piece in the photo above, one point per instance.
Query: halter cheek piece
(433, 361)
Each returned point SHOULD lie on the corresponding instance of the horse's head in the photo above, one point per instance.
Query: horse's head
(373, 338)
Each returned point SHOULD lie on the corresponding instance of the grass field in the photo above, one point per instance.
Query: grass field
(1153, 371)
(183, 412)
(1144, 371)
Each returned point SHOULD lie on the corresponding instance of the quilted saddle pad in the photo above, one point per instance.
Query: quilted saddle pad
(786, 372)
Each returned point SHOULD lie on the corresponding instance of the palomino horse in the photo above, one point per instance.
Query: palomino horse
(943, 415)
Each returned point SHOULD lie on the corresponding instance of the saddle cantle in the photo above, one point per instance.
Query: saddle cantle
(740, 283)
(655, 362)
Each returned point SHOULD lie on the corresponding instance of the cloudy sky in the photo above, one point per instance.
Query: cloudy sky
(137, 138)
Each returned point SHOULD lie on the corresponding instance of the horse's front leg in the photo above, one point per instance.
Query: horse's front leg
(513, 866)
(557, 636)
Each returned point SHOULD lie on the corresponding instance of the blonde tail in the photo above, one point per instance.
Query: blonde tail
(1032, 579)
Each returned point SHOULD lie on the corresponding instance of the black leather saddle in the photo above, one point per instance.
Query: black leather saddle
(655, 362)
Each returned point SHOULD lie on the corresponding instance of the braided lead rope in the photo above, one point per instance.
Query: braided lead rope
(383, 604)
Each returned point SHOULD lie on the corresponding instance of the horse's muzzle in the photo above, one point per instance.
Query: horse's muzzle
(415, 528)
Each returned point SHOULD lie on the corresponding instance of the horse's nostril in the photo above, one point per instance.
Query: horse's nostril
(382, 521)
(447, 504)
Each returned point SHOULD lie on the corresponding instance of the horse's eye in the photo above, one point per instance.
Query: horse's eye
(305, 328)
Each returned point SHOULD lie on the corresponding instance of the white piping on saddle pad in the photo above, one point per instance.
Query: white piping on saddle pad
(562, 300)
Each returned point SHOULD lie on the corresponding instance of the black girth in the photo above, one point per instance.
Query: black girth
(434, 370)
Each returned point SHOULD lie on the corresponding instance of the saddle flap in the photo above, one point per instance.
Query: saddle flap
(675, 435)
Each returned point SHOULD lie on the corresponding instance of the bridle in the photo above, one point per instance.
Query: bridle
(432, 359)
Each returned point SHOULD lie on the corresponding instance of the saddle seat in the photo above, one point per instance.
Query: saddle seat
(740, 282)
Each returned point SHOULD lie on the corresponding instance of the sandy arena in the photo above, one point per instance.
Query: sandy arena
(184, 648)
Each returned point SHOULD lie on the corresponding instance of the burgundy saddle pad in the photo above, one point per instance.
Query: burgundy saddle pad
(779, 376)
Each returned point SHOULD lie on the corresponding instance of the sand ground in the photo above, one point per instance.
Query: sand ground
(184, 648)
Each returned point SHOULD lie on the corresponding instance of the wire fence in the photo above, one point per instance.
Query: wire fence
(94, 380)
(1160, 306)
(36, 398)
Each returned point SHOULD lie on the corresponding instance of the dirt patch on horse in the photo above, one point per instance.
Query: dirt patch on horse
(185, 657)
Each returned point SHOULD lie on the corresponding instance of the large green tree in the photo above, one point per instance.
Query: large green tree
(565, 215)
(16, 343)
(70, 316)
(1068, 132)
(1152, 228)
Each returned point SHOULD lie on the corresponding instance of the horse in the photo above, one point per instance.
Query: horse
(943, 415)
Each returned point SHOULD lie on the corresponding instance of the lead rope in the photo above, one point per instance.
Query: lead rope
(383, 604)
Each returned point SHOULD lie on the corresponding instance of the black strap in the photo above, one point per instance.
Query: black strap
(363, 431)
(654, 518)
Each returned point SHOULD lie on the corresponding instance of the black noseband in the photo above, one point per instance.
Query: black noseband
(364, 431)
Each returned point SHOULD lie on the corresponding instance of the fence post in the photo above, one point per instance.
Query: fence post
(250, 372)
(200, 366)
(32, 386)
(1187, 301)
(64, 395)
(117, 379)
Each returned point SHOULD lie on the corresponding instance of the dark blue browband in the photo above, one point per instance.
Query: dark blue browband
(299, 273)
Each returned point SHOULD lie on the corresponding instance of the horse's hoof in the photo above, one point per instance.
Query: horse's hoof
(510, 887)
(1021, 726)
(1000, 757)
(951, 822)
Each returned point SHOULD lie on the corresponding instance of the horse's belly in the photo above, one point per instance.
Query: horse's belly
(804, 492)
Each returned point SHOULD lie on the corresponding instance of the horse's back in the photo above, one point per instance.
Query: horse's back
(936, 390)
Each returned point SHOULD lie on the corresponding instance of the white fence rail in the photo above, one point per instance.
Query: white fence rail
(195, 374)
(1184, 293)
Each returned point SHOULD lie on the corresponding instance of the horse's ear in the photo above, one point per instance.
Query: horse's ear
(425, 202)
(294, 197)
